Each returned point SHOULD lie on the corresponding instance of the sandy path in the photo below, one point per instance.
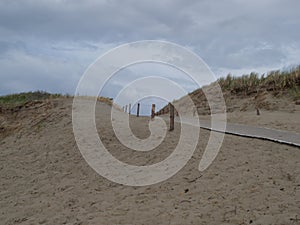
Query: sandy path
(280, 120)
(45, 180)
(271, 134)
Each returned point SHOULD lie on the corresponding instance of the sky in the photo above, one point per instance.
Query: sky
(48, 44)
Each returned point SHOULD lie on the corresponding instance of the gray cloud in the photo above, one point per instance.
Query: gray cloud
(48, 44)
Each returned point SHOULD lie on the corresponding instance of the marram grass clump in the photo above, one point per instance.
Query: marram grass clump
(276, 81)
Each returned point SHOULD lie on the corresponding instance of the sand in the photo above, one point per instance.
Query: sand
(281, 120)
(45, 180)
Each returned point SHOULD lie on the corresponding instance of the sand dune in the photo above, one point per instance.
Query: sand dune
(45, 180)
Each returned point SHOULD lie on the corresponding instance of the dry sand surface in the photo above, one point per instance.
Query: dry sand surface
(276, 111)
(281, 120)
(45, 180)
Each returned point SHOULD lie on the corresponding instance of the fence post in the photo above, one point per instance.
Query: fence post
(257, 111)
(153, 111)
(138, 110)
(126, 108)
(129, 109)
(171, 109)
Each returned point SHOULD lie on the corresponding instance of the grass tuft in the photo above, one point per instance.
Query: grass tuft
(21, 98)
(275, 81)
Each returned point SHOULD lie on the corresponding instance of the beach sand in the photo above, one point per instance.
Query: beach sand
(45, 180)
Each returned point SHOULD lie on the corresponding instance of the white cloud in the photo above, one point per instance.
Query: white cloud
(48, 44)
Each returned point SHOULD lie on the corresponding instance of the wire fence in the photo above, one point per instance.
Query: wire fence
(139, 109)
(149, 109)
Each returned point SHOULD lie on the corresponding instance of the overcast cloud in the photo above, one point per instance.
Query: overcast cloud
(47, 45)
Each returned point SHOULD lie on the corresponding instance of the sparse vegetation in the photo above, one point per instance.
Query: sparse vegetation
(21, 98)
(275, 81)
(109, 101)
(295, 93)
(252, 92)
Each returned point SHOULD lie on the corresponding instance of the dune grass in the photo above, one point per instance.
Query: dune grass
(275, 81)
(21, 98)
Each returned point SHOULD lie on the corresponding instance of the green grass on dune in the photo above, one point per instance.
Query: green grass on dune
(13, 100)
(275, 81)
(295, 93)
(21, 98)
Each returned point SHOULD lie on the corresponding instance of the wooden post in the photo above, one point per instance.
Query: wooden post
(171, 109)
(153, 111)
(129, 109)
(257, 111)
(126, 108)
(138, 110)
